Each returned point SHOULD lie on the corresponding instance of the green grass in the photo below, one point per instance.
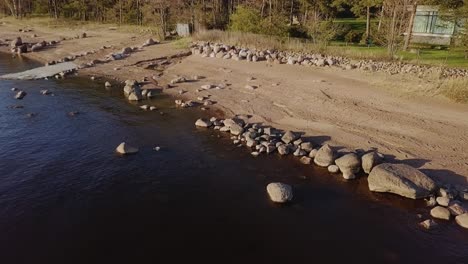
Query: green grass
(449, 57)
(182, 43)
(354, 23)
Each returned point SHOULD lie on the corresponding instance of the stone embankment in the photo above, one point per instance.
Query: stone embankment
(227, 52)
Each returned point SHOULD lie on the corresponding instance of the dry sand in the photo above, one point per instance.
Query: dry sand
(402, 116)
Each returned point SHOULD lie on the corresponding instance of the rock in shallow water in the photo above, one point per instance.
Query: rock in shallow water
(325, 156)
(349, 164)
(443, 201)
(440, 212)
(462, 220)
(428, 224)
(400, 179)
(369, 161)
(124, 149)
(333, 169)
(289, 137)
(203, 123)
(279, 192)
(20, 95)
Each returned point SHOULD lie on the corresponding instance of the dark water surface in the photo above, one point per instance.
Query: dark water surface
(66, 197)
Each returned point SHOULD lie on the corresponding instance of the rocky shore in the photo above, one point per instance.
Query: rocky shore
(401, 179)
(261, 139)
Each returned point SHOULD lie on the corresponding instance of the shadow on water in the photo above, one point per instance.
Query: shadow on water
(66, 197)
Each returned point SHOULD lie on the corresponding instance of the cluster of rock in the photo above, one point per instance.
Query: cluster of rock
(267, 140)
(447, 205)
(400, 179)
(18, 46)
(133, 91)
(222, 51)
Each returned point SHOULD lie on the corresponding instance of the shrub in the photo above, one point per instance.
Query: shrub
(353, 36)
(245, 19)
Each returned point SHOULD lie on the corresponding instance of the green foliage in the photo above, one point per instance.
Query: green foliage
(322, 32)
(246, 19)
(353, 36)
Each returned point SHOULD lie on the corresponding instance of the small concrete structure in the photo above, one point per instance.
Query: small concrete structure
(41, 72)
(184, 30)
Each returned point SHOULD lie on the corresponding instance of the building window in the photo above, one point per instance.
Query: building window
(429, 22)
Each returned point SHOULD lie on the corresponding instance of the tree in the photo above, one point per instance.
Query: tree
(361, 7)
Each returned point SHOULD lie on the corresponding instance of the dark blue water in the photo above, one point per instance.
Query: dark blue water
(66, 197)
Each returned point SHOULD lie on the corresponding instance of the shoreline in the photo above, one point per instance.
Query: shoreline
(291, 113)
(348, 161)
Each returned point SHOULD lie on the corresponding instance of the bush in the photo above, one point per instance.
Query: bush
(245, 19)
(353, 36)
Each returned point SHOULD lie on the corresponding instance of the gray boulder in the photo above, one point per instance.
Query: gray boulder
(307, 146)
(349, 164)
(325, 156)
(289, 137)
(369, 161)
(400, 179)
(279, 192)
(203, 123)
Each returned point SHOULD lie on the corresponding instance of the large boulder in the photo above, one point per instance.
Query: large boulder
(369, 161)
(462, 220)
(440, 212)
(325, 156)
(289, 137)
(125, 149)
(400, 179)
(349, 164)
(279, 192)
